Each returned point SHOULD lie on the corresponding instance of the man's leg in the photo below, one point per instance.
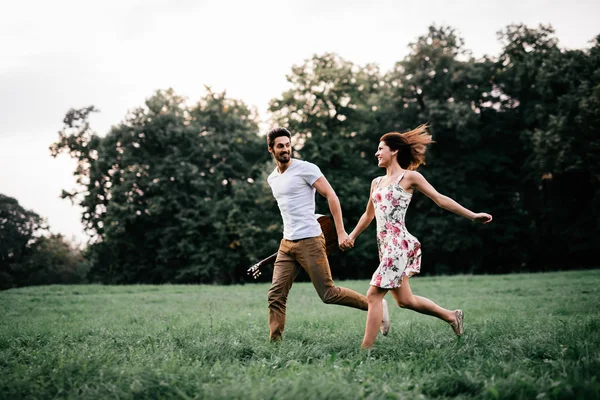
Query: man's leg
(284, 272)
(311, 255)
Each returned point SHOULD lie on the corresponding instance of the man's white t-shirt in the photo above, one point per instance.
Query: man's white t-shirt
(295, 197)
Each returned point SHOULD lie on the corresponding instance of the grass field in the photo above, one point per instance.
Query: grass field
(526, 336)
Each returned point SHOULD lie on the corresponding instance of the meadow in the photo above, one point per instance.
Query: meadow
(526, 336)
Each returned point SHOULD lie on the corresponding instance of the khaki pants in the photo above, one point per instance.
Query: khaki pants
(309, 254)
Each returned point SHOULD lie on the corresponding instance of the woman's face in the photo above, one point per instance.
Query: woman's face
(385, 156)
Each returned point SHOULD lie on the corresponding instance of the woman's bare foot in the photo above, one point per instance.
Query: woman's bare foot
(457, 324)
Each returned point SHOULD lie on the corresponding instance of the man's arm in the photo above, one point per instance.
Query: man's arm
(325, 190)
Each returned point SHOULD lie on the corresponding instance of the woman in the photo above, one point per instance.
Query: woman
(399, 251)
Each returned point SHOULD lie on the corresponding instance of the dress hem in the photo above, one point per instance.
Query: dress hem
(407, 273)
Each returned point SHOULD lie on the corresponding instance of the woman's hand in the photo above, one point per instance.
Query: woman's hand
(482, 218)
(347, 244)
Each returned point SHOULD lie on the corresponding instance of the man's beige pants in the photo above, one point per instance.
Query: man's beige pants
(309, 254)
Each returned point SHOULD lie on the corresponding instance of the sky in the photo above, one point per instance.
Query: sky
(57, 55)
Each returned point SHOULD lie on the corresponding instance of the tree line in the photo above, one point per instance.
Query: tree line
(177, 192)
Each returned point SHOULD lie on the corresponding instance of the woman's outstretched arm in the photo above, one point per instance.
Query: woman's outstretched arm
(420, 183)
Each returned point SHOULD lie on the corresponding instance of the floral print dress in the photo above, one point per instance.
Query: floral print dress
(399, 251)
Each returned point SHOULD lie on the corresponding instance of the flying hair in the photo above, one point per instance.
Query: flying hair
(411, 146)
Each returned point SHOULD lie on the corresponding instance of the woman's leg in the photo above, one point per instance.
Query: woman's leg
(405, 299)
(374, 315)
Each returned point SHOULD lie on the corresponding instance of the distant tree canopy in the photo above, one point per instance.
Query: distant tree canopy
(17, 226)
(177, 192)
(29, 254)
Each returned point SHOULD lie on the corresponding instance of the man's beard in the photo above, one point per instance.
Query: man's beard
(284, 158)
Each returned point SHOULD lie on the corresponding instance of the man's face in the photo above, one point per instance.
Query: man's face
(282, 149)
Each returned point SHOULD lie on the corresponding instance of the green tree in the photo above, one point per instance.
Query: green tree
(17, 229)
(552, 101)
(153, 189)
(52, 260)
(29, 255)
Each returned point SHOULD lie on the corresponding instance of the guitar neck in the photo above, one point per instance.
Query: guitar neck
(267, 260)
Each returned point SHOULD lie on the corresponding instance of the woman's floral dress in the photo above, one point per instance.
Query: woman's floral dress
(399, 251)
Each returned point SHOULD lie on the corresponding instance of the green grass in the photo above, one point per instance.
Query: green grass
(526, 336)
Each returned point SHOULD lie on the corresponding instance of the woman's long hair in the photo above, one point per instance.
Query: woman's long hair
(411, 146)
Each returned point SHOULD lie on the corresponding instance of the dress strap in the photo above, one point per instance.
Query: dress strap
(379, 178)
(401, 176)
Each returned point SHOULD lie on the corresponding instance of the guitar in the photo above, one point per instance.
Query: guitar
(331, 243)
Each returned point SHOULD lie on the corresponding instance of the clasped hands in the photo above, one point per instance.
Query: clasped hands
(345, 242)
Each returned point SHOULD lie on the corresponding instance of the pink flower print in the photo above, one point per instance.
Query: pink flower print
(383, 208)
(378, 280)
(382, 235)
(395, 202)
(395, 241)
(389, 196)
(389, 262)
(396, 230)
(377, 197)
(404, 244)
(411, 254)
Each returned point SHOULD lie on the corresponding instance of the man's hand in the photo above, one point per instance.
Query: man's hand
(345, 242)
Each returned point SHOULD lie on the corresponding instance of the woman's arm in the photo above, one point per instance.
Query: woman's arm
(420, 183)
(366, 218)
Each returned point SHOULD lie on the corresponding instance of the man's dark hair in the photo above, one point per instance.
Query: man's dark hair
(275, 133)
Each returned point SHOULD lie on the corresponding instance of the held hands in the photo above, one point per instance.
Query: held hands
(482, 218)
(345, 241)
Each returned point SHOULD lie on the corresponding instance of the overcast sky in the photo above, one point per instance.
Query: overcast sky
(55, 55)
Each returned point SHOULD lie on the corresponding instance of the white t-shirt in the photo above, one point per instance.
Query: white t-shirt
(295, 197)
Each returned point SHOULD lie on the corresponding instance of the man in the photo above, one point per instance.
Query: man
(293, 183)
